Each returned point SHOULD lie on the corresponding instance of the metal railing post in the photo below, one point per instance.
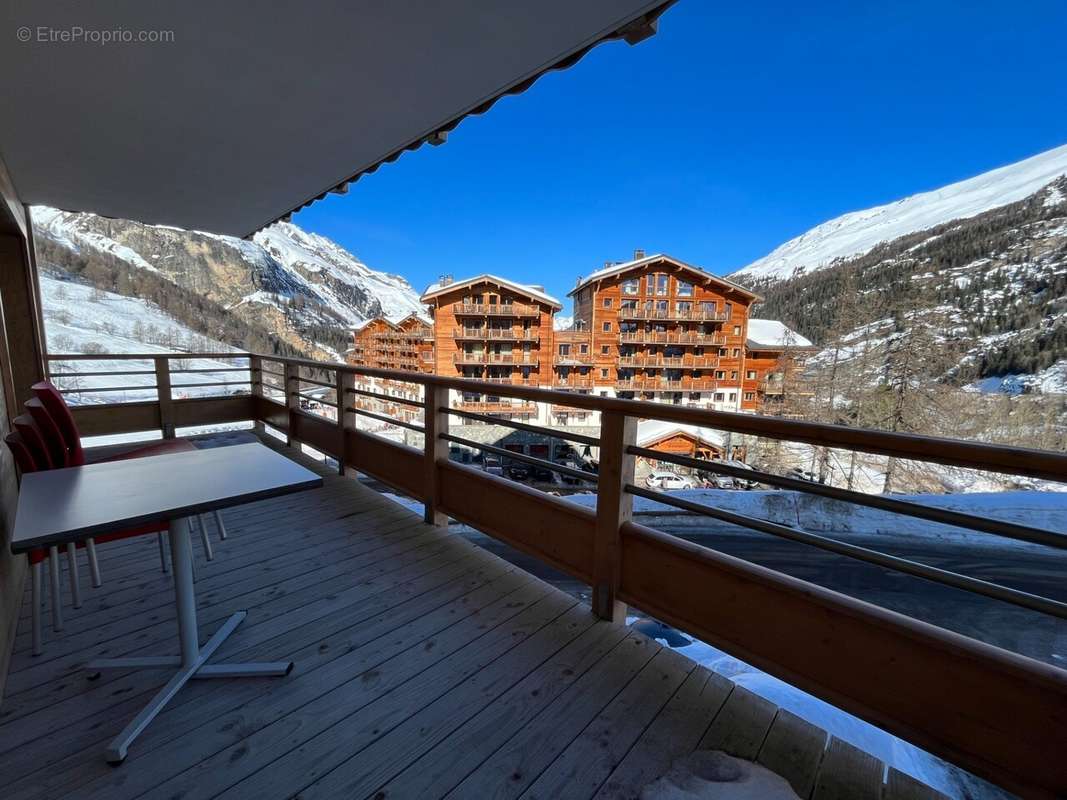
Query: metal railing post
(614, 506)
(166, 402)
(435, 450)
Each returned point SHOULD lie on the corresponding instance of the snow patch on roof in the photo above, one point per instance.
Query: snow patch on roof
(772, 333)
(538, 294)
(651, 430)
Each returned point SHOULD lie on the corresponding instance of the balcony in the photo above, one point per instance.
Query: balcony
(572, 359)
(672, 362)
(496, 334)
(426, 665)
(673, 337)
(672, 314)
(497, 407)
(654, 385)
(571, 382)
(516, 359)
(495, 310)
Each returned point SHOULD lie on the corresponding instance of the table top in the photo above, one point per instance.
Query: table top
(64, 505)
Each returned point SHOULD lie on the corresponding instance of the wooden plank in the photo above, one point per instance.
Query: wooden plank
(513, 767)
(676, 732)
(458, 755)
(741, 726)
(830, 645)
(398, 465)
(435, 453)
(593, 755)
(848, 773)
(361, 672)
(901, 786)
(794, 749)
(553, 530)
(282, 759)
(614, 506)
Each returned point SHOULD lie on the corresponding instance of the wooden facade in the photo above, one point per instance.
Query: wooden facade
(664, 330)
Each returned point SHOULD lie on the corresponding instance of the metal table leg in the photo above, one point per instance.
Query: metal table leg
(192, 662)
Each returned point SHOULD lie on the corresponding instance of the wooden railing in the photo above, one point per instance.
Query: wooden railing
(996, 713)
(678, 314)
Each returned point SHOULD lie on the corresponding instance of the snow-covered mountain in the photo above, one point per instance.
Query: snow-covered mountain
(297, 286)
(856, 233)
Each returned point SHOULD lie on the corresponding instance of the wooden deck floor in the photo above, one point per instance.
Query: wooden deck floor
(425, 667)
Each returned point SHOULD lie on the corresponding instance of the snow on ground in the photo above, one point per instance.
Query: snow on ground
(81, 319)
(858, 232)
(1052, 380)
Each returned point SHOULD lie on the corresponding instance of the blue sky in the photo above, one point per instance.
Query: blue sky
(735, 128)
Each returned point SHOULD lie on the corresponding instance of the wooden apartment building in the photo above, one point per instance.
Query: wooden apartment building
(652, 328)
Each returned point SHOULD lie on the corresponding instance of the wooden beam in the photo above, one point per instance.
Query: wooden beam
(12, 212)
(166, 411)
(614, 506)
(435, 422)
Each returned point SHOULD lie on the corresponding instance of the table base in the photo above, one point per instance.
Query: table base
(192, 662)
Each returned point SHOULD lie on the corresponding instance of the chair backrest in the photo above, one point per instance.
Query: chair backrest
(56, 406)
(33, 440)
(23, 457)
(53, 437)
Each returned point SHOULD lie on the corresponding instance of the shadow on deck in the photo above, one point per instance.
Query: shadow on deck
(425, 667)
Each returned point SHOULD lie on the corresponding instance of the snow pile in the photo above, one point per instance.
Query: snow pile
(772, 333)
(562, 323)
(714, 775)
(858, 232)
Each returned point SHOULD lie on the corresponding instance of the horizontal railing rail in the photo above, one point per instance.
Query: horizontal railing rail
(993, 712)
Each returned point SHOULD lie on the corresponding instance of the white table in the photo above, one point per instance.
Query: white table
(68, 505)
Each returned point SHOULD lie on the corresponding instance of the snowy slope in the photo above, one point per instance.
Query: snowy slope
(285, 273)
(858, 232)
(305, 254)
(79, 319)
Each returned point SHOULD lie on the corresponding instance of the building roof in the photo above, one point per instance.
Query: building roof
(360, 326)
(435, 289)
(243, 114)
(637, 263)
(770, 334)
(650, 431)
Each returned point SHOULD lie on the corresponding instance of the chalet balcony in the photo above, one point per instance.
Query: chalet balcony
(495, 310)
(496, 334)
(573, 382)
(673, 337)
(673, 314)
(573, 359)
(516, 359)
(654, 385)
(497, 407)
(665, 362)
(426, 665)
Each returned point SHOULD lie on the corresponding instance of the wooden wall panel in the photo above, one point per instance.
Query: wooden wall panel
(195, 411)
(314, 431)
(988, 710)
(110, 418)
(553, 530)
(398, 465)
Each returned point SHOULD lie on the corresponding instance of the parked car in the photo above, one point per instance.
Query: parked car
(517, 471)
(661, 479)
(492, 466)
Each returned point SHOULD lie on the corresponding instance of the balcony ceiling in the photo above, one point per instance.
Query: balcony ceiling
(253, 111)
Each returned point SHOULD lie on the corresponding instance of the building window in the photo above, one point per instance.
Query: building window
(723, 352)
(683, 306)
(684, 289)
(750, 375)
(607, 327)
(564, 349)
(605, 349)
(709, 308)
(733, 397)
(631, 286)
(737, 352)
(750, 395)
(603, 373)
(694, 395)
(733, 375)
(718, 397)
(737, 330)
(661, 284)
(583, 349)
(720, 374)
(607, 302)
(729, 309)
